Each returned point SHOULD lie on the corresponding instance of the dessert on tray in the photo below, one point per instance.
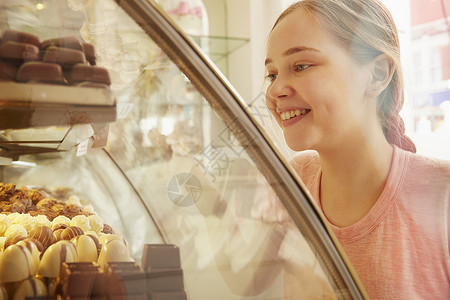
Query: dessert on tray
(58, 70)
(56, 247)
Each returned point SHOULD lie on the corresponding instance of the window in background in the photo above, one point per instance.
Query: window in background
(428, 68)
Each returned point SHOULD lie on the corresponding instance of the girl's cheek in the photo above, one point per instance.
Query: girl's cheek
(270, 102)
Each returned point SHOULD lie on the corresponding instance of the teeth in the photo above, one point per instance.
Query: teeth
(286, 115)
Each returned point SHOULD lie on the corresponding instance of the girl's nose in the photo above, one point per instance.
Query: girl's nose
(279, 89)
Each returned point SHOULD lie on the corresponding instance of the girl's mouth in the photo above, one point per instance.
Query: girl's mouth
(287, 115)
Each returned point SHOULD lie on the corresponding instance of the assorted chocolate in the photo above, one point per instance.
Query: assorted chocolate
(63, 61)
(48, 253)
(36, 202)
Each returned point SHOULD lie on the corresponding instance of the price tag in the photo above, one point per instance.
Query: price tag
(82, 148)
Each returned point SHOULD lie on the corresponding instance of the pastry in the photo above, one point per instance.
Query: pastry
(40, 71)
(89, 51)
(83, 72)
(21, 37)
(70, 42)
(64, 56)
(18, 52)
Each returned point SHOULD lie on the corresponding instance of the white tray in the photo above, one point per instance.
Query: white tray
(47, 93)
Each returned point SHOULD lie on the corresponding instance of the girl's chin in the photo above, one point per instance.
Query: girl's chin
(299, 143)
(296, 146)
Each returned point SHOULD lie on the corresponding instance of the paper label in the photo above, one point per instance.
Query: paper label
(82, 148)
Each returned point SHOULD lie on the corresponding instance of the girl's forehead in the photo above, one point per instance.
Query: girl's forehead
(298, 29)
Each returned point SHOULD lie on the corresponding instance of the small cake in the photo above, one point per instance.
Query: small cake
(83, 72)
(40, 71)
(89, 51)
(20, 37)
(64, 56)
(18, 52)
(70, 42)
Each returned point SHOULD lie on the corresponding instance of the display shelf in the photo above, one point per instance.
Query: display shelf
(59, 94)
(219, 47)
(17, 115)
(39, 118)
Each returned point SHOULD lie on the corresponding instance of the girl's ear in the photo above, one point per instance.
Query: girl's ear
(382, 72)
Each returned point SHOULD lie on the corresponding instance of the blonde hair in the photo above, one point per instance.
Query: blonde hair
(366, 29)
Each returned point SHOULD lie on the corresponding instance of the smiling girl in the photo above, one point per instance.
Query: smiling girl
(336, 87)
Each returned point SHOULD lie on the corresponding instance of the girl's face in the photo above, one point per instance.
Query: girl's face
(316, 92)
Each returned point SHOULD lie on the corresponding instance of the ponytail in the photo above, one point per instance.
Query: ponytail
(390, 102)
(395, 133)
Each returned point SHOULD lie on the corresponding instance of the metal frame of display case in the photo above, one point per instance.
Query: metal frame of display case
(226, 102)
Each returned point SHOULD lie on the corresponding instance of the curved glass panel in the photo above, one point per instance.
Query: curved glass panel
(184, 163)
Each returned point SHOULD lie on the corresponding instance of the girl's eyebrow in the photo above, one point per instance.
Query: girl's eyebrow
(291, 51)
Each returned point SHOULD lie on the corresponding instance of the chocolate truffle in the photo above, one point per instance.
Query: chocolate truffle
(16, 264)
(31, 287)
(86, 248)
(113, 251)
(71, 232)
(43, 234)
(53, 257)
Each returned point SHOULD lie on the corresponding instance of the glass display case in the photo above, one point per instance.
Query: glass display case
(158, 161)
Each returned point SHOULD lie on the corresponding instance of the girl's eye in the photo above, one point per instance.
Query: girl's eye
(301, 67)
(271, 77)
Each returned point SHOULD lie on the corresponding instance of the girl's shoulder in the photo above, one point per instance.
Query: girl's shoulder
(429, 165)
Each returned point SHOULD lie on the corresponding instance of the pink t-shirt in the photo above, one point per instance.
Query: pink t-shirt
(400, 249)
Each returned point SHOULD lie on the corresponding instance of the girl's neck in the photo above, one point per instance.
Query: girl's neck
(352, 180)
